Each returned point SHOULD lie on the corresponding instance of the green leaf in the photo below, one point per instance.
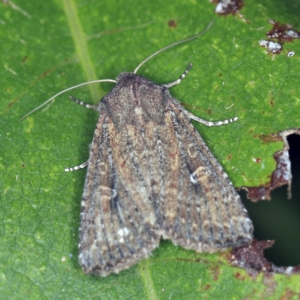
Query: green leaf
(47, 46)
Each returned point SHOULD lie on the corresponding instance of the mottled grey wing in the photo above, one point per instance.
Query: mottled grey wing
(207, 213)
(117, 224)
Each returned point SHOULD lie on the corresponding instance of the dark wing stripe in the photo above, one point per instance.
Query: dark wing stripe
(160, 167)
(105, 187)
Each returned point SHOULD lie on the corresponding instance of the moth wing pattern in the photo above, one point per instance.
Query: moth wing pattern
(208, 213)
(150, 175)
(113, 233)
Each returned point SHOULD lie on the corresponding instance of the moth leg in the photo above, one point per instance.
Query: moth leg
(168, 85)
(81, 166)
(190, 115)
(77, 167)
(82, 103)
(209, 123)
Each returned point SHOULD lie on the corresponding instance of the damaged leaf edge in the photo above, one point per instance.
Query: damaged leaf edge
(282, 175)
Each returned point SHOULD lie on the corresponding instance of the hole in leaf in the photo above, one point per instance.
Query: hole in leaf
(279, 219)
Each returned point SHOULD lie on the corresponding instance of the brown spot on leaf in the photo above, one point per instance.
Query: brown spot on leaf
(229, 157)
(282, 32)
(206, 287)
(172, 23)
(269, 138)
(239, 276)
(277, 36)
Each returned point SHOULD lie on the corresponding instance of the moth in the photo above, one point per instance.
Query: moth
(151, 175)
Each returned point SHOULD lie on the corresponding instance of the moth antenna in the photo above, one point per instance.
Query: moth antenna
(172, 45)
(66, 90)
